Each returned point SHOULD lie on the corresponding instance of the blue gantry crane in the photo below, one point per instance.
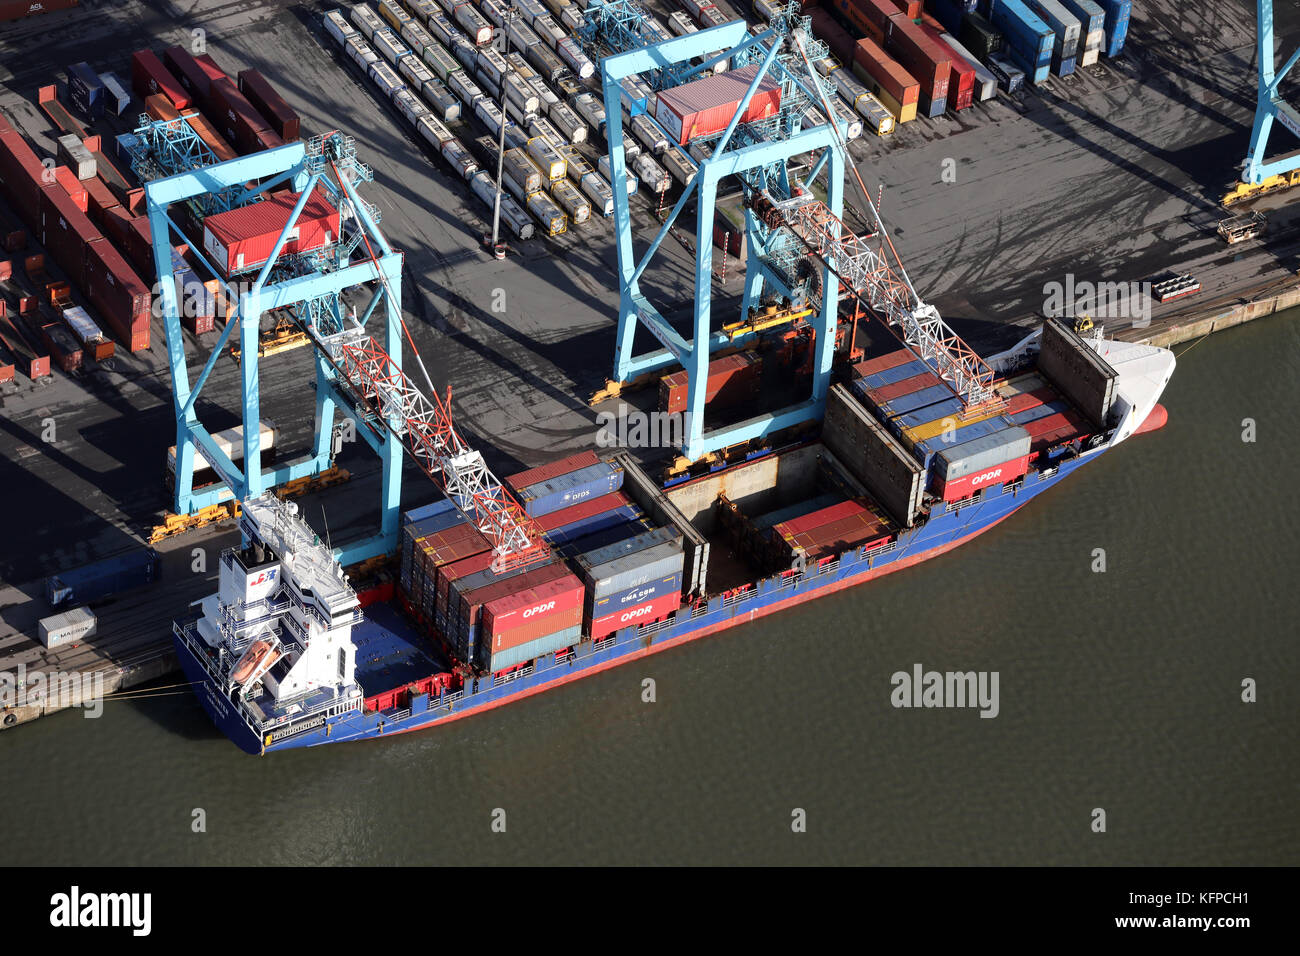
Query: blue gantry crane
(1258, 174)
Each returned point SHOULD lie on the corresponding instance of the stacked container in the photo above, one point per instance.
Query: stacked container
(1117, 15)
(888, 80)
(631, 582)
(924, 59)
(1066, 31)
(732, 379)
(552, 494)
(1092, 29)
(1029, 40)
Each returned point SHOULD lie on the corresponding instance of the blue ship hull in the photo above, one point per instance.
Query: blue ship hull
(942, 532)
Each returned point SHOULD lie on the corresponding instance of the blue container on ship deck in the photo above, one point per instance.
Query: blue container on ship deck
(1040, 411)
(564, 490)
(967, 433)
(640, 542)
(907, 403)
(930, 413)
(896, 374)
(593, 523)
(607, 536)
(441, 506)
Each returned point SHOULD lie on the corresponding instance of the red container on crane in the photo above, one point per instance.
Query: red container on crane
(242, 239)
(704, 107)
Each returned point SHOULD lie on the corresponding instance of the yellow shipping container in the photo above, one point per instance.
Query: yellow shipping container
(919, 433)
(904, 114)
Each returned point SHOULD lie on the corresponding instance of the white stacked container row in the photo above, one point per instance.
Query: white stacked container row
(485, 188)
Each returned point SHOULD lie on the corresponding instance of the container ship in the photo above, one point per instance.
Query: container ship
(287, 654)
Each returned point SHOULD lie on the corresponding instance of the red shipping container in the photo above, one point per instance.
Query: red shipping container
(150, 77)
(450, 573)
(883, 363)
(583, 509)
(235, 117)
(139, 247)
(963, 74)
(196, 74)
(989, 477)
(122, 300)
(242, 239)
(731, 378)
(1053, 423)
(907, 386)
(472, 603)
(65, 231)
(66, 178)
(63, 347)
(910, 8)
(871, 17)
(100, 199)
(817, 519)
(656, 609)
(533, 612)
(21, 174)
(838, 40)
(279, 115)
(552, 470)
(841, 534)
(924, 59)
(29, 353)
(1024, 401)
(703, 107)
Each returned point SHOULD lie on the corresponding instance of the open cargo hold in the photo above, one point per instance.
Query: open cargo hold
(1074, 367)
(268, 102)
(552, 494)
(102, 579)
(704, 107)
(925, 60)
(731, 379)
(873, 455)
(242, 239)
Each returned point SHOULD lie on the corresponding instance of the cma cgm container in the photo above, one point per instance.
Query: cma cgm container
(94, 582)
(149, 77)
(704, 107)
(1029, 40)
(922, 57)
(1117, 15)
(243, 238)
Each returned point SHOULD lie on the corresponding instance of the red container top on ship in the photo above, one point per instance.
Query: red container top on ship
(930, 64)
(583, 509)
(533, 612)
(703, 107)
(243, 238)
(149, 78)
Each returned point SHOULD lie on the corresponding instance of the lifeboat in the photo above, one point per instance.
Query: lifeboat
(256, 659)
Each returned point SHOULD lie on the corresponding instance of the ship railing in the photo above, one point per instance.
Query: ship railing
(398, 714)
(1012, 487)
(654, 626)
(884, 548)
(188, 633)
(736, 597)
(499, 679)
(605, 642)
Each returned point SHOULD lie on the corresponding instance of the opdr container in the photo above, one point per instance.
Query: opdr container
(533, 612)
(645, 612)
(958, 461)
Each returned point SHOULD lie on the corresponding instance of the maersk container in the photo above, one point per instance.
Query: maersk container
(1117, 16)
(576, 60)
(474, 24)
(602, 166)
(389, 45)
(69, 627)
(360, 52)
(440, 61)
(416, 74)
(680, 166)
(958, 461)
(1009, 76)
(650, 135)
(366, 20)
(409, 105)
(102, 579)
(1065, 27)
(444, 105)
(590, 109)
(654, 176)
(521, 175)
(386, 78)
(337, 26)
(562, 491)
(492, 63)
(432, 131)
(599, 192)
(459, 158)
(568, 123)
(554, 36)
(466, 90)
(547, 158)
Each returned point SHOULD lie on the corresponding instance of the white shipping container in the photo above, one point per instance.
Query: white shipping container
(555, 6)
(492, 63)
(696, 8)
(82, 325)
(548, 159)
(766, 9)
(69, 627)
(392, 11)
(651, 173)
(572, 54)
(434, 132)
(552, 34)
(439, 60)
(849, 118)
(465, 89)
(545, 211)
(875, 114)
(520, 93)
(416, 37)
(474, 23)
(337, 26)
(986, 84)
(366, 20)
(361, 52)
(514, 216)
(568, 123)
(521, 35)
(441, 102)
(680, 24)
(530, 9)
(572, 20)
(548, 64)
(448, 6)
(409, 105)
(602, 166)
(650, 135)
(389, 45)
(631, 148)
(465, 52)
(386, 78)
(545, 97)
(568, 197)
(459, 158)
(489, 115)
(517, 113)
(590, 109)
(848, 86)
(414, 72)
(597, 190)
(541, 126)
(712, 17)
(443, 30)
(421, 10)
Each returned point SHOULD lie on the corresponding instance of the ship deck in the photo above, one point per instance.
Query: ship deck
(389, 652)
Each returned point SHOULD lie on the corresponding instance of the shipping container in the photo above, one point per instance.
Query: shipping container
(410, 106)
(562, 491)
(1117, 17)
(474, 24)
(96, 346)
(575, 59)
(67, 628)
(391, 11)
(959, 461)
(242, 239)
(361, 53)
(570, 199)
(149, 77)
(887, 78)
(196, 74)
(280, 116)
(598, 190)
(532, 612)
(118, 294)
(961, 81)
(872, 18)
(986, 84)
(520, 174)
(705, 107)
(531, 650)
(366, 20)
(1028, 40)
(629, 180)
(1065, 27)
(440, 61)
(458, 157)
(552, 469)
(102, 579)
(930, 65)
(1009, 76)
(655, 608)
(732, 379)
(609, 581)
(337, 26)
(85, 90)
(432, 132)
(979, 36)
(465, 89)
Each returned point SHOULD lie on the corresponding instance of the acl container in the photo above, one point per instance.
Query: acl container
(242, 239)
(704, 107)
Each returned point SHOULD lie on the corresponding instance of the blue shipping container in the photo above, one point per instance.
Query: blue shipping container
(94, 582)
(931, 413)
(896, 374)
(564, 490)
(84, 90)
(441, 506)
(1117, 14)
(1065, 25)
(1041, 411)
(599, 539)
(1063, 67)
(1029, 41)
(593, 523)
(1010, 77)
(1091, 17)
(910, 403)
(633, 595)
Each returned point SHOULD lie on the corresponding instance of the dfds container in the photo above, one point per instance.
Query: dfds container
(704, 107)
(243, 238)
(85, 90)
(102, 579)
(563, 491)
(59, 630)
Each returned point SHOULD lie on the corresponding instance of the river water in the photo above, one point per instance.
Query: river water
(1118, 691)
